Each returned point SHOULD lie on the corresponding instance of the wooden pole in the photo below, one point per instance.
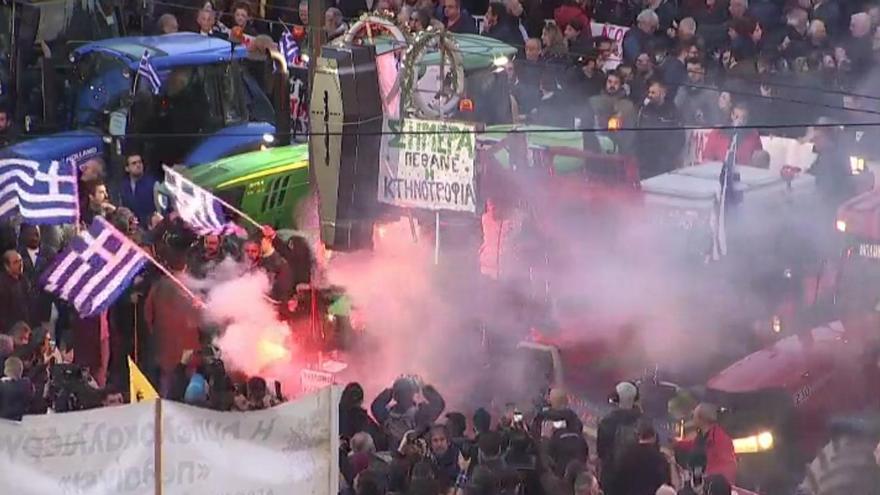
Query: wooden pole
(157, 448)
(437, 237)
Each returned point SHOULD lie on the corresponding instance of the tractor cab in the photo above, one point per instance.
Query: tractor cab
(207, 107)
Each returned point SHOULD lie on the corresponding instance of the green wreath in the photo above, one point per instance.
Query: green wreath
(445, 101)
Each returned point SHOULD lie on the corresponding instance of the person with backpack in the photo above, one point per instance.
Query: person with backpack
(643, 469)
(398, 412)
(617, 431)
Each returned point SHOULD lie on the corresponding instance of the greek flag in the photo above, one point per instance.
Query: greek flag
(288, 46)
(41, 192)
(724, 200)
(95, 268)
(148, 72)
(197, 207)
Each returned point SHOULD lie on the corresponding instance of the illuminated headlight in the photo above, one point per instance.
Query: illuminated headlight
(856, 165)
(776, 324)
(305, 58)
(268, 138)
(841, 225)
(761, 442)
(501, 61)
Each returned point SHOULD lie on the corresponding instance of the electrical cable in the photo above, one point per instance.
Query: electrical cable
(489, 131)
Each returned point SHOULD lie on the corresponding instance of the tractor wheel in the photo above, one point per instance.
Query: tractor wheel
(845, 466)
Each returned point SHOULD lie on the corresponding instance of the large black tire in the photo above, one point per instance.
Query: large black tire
(845, 466)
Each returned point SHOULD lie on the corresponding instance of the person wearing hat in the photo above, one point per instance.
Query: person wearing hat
(614, 429)
(398, 412)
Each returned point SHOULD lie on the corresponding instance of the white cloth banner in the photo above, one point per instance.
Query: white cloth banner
(615, 33)
(96, 452)
(288, 449)
(429, 165)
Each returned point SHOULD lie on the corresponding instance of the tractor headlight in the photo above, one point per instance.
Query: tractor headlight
(856, 165)
(841, 225)
(761, 442)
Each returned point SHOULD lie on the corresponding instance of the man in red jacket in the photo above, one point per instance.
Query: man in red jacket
(714, 441)
(748, 143)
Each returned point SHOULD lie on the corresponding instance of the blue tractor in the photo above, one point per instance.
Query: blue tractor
(210, 104)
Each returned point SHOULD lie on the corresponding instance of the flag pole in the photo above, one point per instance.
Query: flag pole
(238, 212)
(235, 210)
(170, 275)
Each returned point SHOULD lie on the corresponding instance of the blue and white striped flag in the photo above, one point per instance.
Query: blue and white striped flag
(197, 207)
(95, 268)
(148, 72)
(41, 192)
(289, 47)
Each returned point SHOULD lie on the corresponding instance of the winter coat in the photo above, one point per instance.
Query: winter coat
(173, 323)
(642, 470)
(17, 302)
(720, 456)
(718, 142)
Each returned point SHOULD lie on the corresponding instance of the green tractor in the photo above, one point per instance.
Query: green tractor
(267, 185)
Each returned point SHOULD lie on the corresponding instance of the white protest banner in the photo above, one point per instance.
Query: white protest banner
(615, 33)
(288, 449)
(96, 452)
(429, 164)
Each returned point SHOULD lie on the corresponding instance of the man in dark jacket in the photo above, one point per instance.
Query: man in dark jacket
(659, 151)
(136, 189)
(444, 456)
(613, 428)
(16, 298)
(501, 25)
(35, 259)
(353, 418)
(16, 393)
(642, 468)
(404, 414)
(638, 39)
(456, 19)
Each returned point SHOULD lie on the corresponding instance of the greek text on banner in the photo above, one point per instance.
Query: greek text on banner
(431, 166)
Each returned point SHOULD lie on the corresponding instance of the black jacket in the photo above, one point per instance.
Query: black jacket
(356, 419)
(608, 429)
(15, 398)
(17, 301)
(506, 32)
(642, 470)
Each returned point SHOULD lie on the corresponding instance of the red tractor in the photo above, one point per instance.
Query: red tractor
(782, 401)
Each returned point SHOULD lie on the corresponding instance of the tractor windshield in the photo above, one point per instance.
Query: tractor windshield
(194, 100)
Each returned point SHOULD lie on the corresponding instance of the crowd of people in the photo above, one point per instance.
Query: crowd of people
(402, 446)
(47, 346)
(741, 67)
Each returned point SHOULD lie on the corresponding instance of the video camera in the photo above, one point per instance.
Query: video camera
(71, 389)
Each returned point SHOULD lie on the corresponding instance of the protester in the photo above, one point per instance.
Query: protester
(137, 189)
(617, 430)
(16, 393)
(642, 469)
(17, 299)
(398, 412)
(711, 441)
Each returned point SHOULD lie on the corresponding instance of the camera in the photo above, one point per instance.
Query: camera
(70, 389)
